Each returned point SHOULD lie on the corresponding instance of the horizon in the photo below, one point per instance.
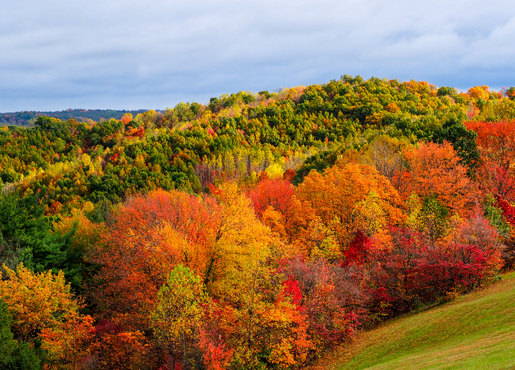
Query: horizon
(460, 90)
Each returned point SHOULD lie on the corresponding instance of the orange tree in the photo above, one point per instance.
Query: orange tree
(496, 142)
(434, 170)
(330, 207)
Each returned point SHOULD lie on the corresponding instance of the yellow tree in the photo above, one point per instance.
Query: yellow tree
(238, 238)
(178, 316)
(43, 308)
(246, 287)
(479, 92)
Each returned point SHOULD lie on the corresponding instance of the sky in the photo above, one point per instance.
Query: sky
(153, 54)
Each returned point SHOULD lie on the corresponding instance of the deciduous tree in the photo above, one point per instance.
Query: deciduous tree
(434, 170)
(343, 199)
(44, 309)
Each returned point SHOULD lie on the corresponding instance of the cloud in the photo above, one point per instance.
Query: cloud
(155, 53)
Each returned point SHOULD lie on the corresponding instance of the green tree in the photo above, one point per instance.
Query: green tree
(463, 141)
(26, 235)
(178, 315)
(14, 355)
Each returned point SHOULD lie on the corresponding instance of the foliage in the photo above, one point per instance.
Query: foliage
(253, 232)
(22, 228)
(26, 236)
(179, 314)
(342, 200)
(434, 171)
(71, 162)
(331, 299)
(272, 192)
(414, 273)
(45, 311)
(28, 118)
(496, 142)
(463, 141)
(15, 354)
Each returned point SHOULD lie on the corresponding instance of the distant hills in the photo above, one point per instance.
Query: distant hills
(81, 115)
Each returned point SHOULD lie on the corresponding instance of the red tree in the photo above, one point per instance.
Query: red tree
(359, 249)
(272, 192)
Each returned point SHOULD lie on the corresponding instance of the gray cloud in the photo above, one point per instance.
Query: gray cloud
(155, 53)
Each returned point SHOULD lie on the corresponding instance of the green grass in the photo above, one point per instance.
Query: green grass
(477, 331)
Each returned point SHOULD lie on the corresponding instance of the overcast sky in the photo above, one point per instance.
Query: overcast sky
(152, 54)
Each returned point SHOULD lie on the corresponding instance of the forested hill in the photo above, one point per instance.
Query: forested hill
(71, 162)
(81, 115)
(253, 232)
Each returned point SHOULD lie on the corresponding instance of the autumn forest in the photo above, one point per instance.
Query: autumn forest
(257, 231)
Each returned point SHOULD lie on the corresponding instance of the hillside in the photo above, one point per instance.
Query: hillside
(477, 331)
(239, 135)
(257, 232)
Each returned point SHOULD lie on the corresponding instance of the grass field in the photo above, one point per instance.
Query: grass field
(477, 331)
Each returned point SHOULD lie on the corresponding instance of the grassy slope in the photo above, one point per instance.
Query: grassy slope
(476, 331)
